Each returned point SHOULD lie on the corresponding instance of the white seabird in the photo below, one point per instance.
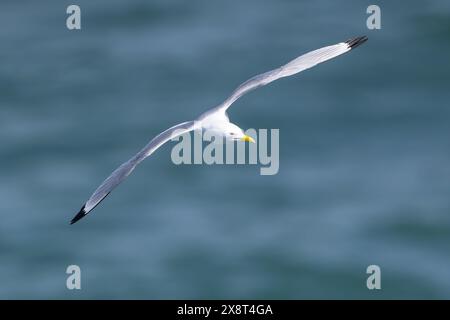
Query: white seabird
(216, 119)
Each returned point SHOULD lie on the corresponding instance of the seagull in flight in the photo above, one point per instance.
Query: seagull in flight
(216, 119)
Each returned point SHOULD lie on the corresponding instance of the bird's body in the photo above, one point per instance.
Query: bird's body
(219, 124)
(216, 119)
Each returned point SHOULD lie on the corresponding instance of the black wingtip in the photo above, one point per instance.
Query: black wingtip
(83, 212)
(354, 42)
(79, 215)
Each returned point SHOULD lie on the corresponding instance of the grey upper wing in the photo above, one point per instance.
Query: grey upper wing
(297, 65)
(126, 168)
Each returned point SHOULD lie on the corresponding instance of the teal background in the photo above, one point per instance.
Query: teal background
(364, 151)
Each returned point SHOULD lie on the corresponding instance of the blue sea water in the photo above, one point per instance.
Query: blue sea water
(364, 173)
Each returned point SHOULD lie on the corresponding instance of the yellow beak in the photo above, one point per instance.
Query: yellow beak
(248, 139)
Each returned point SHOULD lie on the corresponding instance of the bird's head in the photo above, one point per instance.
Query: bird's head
(234, 133)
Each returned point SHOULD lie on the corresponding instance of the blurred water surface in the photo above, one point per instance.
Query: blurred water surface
(364, 176)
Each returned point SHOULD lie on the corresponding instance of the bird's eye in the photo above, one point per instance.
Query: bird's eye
(231, 133)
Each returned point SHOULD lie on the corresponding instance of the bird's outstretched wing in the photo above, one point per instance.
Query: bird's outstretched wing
(126, 168)
(297, 65)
